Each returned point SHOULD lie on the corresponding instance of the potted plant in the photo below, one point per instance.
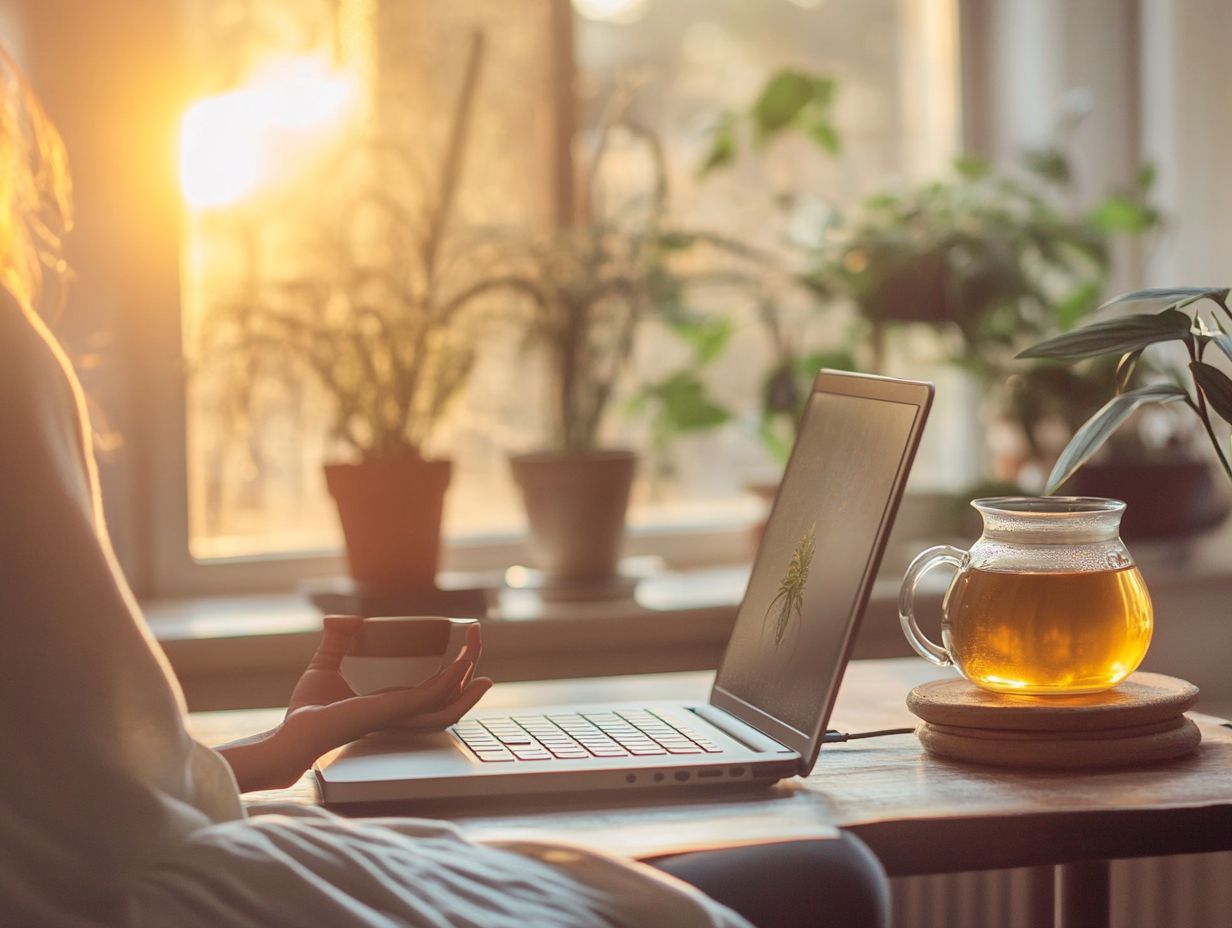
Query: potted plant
(590, 289)
(383, 321)
(588, 292)
(1181, 496)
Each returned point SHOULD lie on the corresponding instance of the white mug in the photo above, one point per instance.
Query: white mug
(393, 651)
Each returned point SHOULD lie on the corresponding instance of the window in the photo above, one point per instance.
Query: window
(251, 180)
(208, 493)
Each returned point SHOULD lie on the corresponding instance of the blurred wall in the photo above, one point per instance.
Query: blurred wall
(1028, 64)
(1187, 132)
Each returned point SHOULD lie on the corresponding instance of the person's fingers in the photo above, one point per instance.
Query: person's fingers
(341, 722)
(337, 637)
(472, 651)
(448, 715)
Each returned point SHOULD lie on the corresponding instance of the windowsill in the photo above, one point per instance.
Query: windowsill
(247, 650)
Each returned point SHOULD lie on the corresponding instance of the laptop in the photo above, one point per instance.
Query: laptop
(772, 697)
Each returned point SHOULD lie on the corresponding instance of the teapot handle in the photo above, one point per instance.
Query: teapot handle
(924, 562)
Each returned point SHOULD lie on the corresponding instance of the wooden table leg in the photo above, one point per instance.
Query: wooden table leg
(1083, 896)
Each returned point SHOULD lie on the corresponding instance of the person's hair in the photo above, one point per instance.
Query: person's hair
(35, 190)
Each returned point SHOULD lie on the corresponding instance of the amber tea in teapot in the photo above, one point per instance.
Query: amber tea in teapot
(1048, 601)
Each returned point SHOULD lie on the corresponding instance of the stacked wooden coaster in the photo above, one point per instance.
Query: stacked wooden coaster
(1140, 721)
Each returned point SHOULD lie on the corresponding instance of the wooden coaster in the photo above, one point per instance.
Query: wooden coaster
(1042, 752)
(1141, 721)
(1140, 699)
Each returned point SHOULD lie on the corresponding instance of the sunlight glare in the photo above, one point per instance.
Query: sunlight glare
(623, 12)
(236, 143)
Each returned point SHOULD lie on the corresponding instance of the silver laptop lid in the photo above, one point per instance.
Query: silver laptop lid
(816, 564)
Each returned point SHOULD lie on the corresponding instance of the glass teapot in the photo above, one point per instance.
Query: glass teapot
(1048, 601)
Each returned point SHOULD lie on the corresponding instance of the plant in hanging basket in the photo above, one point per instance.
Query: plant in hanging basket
(998, 258)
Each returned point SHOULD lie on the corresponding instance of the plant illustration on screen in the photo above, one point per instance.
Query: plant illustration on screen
(789, 601)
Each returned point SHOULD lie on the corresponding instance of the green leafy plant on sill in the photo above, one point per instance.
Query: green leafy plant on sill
(380, 315)
(1205, 390)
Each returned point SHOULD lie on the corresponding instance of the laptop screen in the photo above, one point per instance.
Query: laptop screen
(814, 566)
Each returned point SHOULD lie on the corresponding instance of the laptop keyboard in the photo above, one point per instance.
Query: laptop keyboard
(630, 733)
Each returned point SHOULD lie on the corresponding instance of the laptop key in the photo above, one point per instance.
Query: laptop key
(493, 756)
(531, 755)
(681, 749)
(512, 739)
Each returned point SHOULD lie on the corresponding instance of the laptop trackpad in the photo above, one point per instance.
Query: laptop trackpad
(395, 755)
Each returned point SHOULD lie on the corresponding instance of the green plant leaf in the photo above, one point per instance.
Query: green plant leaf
(677, 241)
(785, 95)
(685, 405)
(1221, 339)
(779, 448)
(1126, 368)
(972, 168)
(1113, 336)
(1144, 180)
(825, 135)
(1177, 295)
(1215, 386)
(837, 359)
(722, 146)
(1118, 214)
(1050, 164)
(1099, 428)
(1077, 304)
(707, 336)
(824, 89)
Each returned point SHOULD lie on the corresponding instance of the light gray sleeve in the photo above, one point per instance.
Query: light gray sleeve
(99, 775)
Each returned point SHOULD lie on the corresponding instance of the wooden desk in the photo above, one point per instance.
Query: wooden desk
(919, 814)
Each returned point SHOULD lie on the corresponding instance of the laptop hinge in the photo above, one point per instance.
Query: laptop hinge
(731, 726)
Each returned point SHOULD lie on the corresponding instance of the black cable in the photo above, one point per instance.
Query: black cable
(836, 737)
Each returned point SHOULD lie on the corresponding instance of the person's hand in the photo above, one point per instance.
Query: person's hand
(325, 713)
(328, 704)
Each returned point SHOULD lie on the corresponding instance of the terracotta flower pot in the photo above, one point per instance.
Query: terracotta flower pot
(576, 505)
(390, 509)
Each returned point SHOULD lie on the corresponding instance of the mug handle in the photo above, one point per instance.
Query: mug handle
(924, 562)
